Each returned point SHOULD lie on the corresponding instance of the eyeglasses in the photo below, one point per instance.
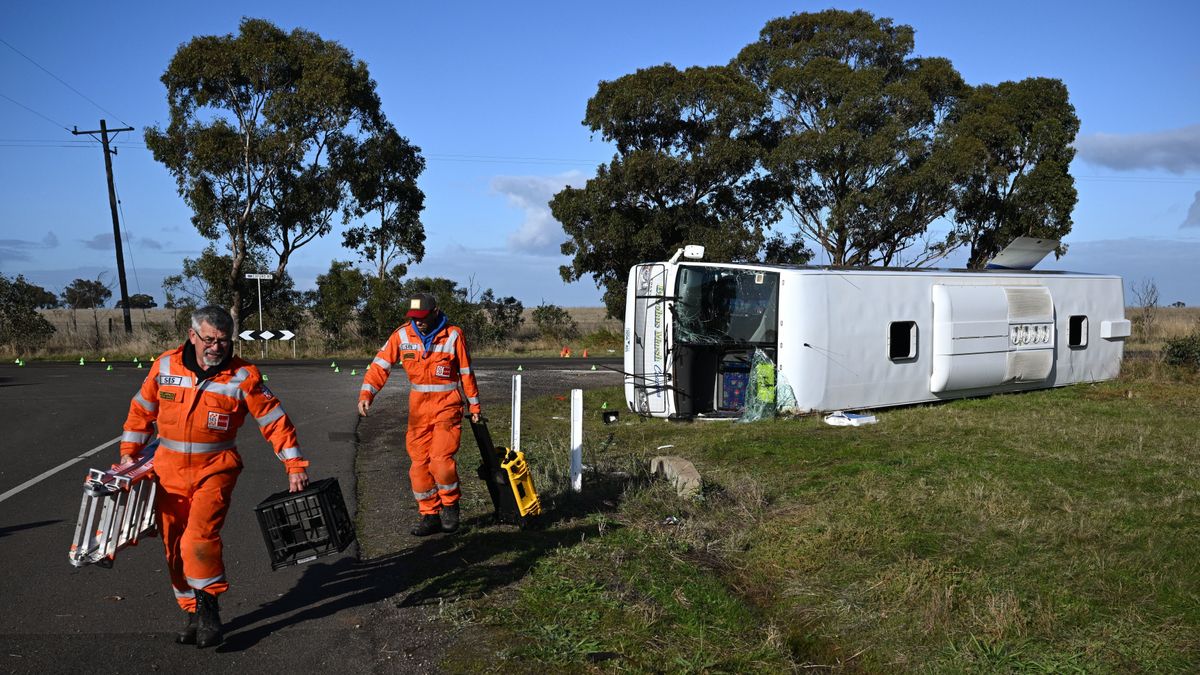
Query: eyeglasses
(212, 341)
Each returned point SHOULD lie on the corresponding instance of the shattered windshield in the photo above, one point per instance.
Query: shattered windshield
(717, 305)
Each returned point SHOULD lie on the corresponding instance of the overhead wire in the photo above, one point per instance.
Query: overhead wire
(64, 83)
(127, 239)
(45, 117)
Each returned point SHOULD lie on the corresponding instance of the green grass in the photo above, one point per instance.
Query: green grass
(1049, 531)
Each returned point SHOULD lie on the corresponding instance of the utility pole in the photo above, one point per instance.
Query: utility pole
(104, 131)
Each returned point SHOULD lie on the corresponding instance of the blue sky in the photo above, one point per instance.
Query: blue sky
(493, 93)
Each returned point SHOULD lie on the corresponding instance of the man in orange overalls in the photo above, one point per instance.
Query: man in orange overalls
(434, 355)
(198, 395)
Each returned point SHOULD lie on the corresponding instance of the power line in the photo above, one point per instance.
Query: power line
(63, 82)
(16, 102)
(125, 228)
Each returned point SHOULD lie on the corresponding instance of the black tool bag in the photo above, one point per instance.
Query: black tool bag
(499, 479)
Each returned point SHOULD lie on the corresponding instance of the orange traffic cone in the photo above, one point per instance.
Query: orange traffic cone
(565, 353)
(585, 352)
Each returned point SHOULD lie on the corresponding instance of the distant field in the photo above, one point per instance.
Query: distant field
(92, 334)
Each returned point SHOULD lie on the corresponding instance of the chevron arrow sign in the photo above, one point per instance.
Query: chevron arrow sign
(266, 335)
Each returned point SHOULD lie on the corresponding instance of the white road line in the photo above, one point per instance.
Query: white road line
(34, 481)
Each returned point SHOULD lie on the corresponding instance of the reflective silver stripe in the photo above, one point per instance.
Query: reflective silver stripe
(367, 387)
(135, 436)
(473, 400)
(164, 366)
(223, 388)
(201, 584)
(383, 363)
(150, 406)
(447, 348)
(464, 371)
(429, 388)
(290, 453)
(424, 495)
(447, 488)
(194, 448)
(189, 593)
(270, 416)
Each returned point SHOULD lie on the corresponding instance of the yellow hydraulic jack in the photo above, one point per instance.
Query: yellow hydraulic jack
(509, 483)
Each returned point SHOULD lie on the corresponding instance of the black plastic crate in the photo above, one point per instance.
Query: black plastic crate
(300, 527)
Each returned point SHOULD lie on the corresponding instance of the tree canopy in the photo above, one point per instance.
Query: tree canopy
(858, 156)
(21, 326)
(831, 119)
(382, 173)
(1018, 137)
(255, 120)
(86, 294)
(688, 146)
(206, 280)
(337, 299)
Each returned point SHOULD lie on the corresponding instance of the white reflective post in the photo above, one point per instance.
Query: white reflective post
(515, 438)
(577, 440)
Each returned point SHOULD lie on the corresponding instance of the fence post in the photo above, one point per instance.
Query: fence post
(515, 436)
(577, 440)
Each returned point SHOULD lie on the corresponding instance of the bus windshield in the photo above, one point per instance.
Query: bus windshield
(719, 305)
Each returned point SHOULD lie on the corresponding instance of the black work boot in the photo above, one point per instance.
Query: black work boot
(187, 635)
(450, 518)
(208, 620)
(429, 524)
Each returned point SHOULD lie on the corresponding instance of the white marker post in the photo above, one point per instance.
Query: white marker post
(577, 440)
(515, 437)
(259, 278)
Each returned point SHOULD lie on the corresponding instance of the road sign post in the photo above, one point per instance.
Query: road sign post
(259, 278)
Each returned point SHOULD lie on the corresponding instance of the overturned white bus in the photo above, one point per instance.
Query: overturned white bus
(855, 338)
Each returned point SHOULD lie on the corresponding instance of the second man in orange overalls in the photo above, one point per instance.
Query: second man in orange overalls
(434, 355)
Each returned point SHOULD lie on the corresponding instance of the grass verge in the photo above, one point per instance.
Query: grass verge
(1050, 531)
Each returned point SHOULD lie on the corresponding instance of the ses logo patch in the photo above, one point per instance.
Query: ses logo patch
(266, 392)
(170, 380)
(442, 371)
(218, 421)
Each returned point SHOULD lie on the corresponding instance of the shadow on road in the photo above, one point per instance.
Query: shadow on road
(5, 531)
(478, 560)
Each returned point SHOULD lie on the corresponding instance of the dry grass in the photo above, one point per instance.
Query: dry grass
(94, 334)
(1151, 329)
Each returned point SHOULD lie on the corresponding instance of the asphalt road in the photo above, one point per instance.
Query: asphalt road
(58, 618)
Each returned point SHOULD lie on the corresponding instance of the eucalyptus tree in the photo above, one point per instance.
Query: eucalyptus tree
(382, 173)
(686, 171)
(861, 157)
(253, 118)
(1018, 138)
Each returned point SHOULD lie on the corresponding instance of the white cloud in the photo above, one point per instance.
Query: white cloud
(1175, 150)
(1193, 215)
(539, 232)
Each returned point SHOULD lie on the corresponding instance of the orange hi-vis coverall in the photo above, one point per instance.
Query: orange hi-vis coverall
(434, 406)
(197, 462)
